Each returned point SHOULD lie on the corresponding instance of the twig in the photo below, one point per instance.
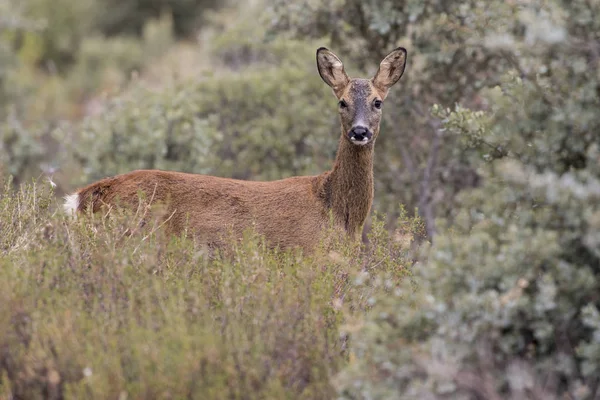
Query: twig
(154, 230)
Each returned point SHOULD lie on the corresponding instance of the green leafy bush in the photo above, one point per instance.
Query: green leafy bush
(34, 101)
(266, 122)
(107, 64)
(65, 24)
(129, 17)
(21, 148)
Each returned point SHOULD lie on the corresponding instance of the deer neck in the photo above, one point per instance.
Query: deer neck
(350, 185)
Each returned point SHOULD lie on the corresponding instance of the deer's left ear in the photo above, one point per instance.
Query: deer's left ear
(390, 70)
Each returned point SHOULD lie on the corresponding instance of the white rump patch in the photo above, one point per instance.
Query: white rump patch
(71, 204)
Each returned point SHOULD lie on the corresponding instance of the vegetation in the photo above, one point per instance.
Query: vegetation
(101, 308)
(508, 303)
(492, 136)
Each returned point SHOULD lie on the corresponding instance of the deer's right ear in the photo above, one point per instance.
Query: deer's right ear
(331, 70)
(390, 70)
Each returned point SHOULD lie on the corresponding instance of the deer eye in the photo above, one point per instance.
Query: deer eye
(378, 104)
(343, 104)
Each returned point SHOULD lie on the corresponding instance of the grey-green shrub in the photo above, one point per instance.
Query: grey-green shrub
(507, 300)
(267, 122)
(20, 147)
(35, 95)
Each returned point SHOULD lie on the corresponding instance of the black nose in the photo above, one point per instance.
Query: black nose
(359, 133)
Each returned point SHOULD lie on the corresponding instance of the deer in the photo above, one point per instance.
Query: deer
(289, 213)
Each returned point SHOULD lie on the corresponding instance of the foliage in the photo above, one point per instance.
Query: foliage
(65, 25)
(228, 123)
(11, 20)
(20, 147)
(129, 17)
(106, 64)
(33, 103)
(104, 308)
(507, 305)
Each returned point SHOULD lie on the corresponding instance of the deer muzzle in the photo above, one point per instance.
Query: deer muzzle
(360, 135)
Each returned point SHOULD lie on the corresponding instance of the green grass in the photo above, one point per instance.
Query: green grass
(96, 308)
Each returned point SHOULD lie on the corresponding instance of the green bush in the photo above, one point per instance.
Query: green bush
(65, 24)
(21, 150)
(12, 23)
(33, 103)
(117, 17)
(104, 308)
(507, 304)
(23, 153)
(107, 64)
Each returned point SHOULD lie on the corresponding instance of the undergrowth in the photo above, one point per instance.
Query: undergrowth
(100, 308)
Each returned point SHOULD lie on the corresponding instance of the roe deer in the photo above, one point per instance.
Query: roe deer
(288, 212)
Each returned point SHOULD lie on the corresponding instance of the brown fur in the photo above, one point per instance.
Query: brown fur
(289, 212)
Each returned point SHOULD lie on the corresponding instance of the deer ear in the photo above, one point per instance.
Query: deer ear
(390, 70)
(331, 70)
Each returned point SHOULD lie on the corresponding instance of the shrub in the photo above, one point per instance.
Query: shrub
(65, 24)
(21, 148)
(264, 123)
(129, 17)
(507, 305)
(33, 103)
(105, 65)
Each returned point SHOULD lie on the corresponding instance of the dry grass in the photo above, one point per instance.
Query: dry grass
(98, 308)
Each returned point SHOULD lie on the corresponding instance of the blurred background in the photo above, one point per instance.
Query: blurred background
(492, 136)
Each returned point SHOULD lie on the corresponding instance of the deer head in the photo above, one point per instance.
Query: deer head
(360, 100)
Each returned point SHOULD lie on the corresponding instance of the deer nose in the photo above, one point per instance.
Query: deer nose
(359, 134)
